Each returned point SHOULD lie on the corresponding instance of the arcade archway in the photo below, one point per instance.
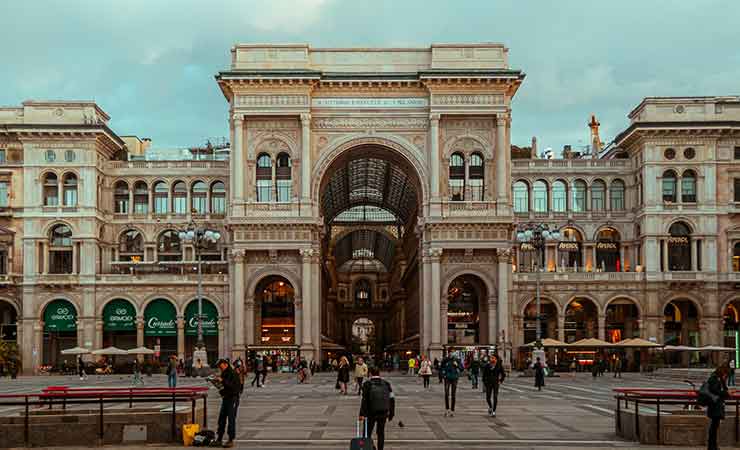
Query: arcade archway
(581, 320)
(466, 307)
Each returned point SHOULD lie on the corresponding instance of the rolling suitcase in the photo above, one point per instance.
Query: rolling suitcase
(361, 442)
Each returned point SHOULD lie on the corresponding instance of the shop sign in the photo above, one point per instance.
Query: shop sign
(119, 315)
(210, 319)
(678, 240)
(569, 246)
(527, 247)
(608, 246)
(60, 315)
(160, 319)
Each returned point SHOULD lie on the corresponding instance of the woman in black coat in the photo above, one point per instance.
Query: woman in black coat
(343, 374)
(717, 385)
(539, 374)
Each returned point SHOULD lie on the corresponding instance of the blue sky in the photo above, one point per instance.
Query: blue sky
(150, 64)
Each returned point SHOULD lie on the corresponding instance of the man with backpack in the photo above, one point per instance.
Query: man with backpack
(493, 376)
(451, 370)
(378, 405)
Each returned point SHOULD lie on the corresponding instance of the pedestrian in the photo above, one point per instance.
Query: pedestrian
(539, 374)
(438, 368)
(573, 368)
(137, 379)
(425, 371)
(172, 372)
(231, 388)
(474, 372)
(412, 366)
(81, 368)
(493, 375)
(360, 374)
(731, 376)
(258, 367)
(378, 405)
(451, 369)
(312, 367)
(343, 375)
(617, 367)
(241, 372)
(715, 392)
(267, 362)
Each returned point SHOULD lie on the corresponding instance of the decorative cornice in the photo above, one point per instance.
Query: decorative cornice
(390, 123)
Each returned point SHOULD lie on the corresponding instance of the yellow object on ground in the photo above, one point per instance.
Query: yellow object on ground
(189, 430)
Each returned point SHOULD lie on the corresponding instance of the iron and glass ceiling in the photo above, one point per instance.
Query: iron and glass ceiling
(365, 244)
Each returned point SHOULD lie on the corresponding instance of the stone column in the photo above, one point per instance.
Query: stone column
(664, 243)
(315, 310)
(426, 303)
(237, 300)
(221, 337)
(180, 337)
(561, 327)
(140, 335)
(502, 158)
(651, 252)
(247, 329)
(602, 326)
(45, 257)
(98, 340)
(694, 245)
(307, 295)
(504, 271)
(435, 349)
(434, 156)
(38, 343)
(305, 158)
(492, 331)
(237, 168)
(299, 330)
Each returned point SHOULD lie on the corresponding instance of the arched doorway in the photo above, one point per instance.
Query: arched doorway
(679, 247)
(681, 327)
(119, 324)
(731, 323)
(464, 311)
(8, 322)
(622, 320)
(363, 336)
(60, 332)
(369, 200)
(570, 250)
(607, 250)
(581, 320)
(275, 308)
(160, 328)
(548, 320)
(210, 329)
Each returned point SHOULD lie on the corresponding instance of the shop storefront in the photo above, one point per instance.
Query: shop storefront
(119, 324)
(160, 328)
(278, 358)
(210, 329)
(60, 332)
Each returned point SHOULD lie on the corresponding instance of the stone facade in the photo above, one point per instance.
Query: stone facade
(416, 141)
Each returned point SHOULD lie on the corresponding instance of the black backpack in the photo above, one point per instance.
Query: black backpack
(379, 397)
(204, 438)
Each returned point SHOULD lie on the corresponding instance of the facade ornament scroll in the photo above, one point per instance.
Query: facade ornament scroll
(504, 255)
(238, 255)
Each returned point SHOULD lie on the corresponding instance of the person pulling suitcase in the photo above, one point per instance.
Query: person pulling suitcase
(378, 405)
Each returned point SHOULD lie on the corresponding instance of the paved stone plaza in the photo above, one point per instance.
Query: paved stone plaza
(285, 415)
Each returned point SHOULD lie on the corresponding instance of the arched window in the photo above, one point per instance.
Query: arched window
(51, 190)
(168, 247)
(121, 197)
(60, 249)
(363, 296)
(180, 198)
(70, 189)
(161, 197)
(669, 186)
(570, 250)
(679, 247)
(476, 177)
(598, 195)
(521, 197)
(579, 196)
(131, 245)
(264, 178)
(607, 251)
(283, 179)
(616, 195)
(688, 187)
(540, 196)
(218, 198)
(457, 177)
(736, 257)
(141, 198)
(199, 198)
(559, 196)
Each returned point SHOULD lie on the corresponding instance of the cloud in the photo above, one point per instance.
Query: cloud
(284, 15)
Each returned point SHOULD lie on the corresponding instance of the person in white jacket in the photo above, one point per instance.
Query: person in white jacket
(425, 371)
(360, 373)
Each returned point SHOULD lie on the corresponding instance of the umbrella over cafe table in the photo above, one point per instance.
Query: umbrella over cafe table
(110, 351)
(140, 351)
(75, 351)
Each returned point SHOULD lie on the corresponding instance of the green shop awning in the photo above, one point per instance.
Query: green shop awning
(60, 315)
(119, 315)
(160, 318)
(210, 318)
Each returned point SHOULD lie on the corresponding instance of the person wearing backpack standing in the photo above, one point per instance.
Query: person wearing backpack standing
(493, 375)
(713, 394)
(378, 405)
(172, 372)
(451, 369)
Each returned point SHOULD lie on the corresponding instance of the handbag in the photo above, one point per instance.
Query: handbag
(337, 386)
(704, 396)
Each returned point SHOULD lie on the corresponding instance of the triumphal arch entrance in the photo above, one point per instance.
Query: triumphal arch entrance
(369, 202)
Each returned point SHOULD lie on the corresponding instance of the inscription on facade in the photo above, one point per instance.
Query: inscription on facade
(271, 100)
(363, 102)
(328, 123)
(469, 99)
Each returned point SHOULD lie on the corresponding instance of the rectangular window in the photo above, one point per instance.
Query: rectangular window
(2, 156)
(60, 261)
(122, 205)
(662, 266)
(737, 189)
(218, 204)
(698, 254)
(476, 189)
(597, 200)
(457, 190)
(688, 190)
(3, 262)
(264, 190)
(579, 200)
(141, 205)
(70, 197)
(160, 205)
(180, 205)
(199, 205)
(3, 195)
(283, 190)
(737, 152)
(558, 200)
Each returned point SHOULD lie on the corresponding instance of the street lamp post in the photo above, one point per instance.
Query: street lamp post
(200, 238)
(537, 235)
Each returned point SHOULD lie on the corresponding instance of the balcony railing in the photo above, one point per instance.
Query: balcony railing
(271, 209)
(468, 209)
(524, 277)
(537, 164)
(168, 268)
(168, 164)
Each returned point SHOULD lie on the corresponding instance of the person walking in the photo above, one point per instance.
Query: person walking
(731, 376)
(259, 365)
(230, 391)
(412, 365)
(425, 371)
(474, 372)
(438, 368)
(539, 374)
(452, 369)
(312, 367)
(377, 406)
(360, 374)
(172, 372)
(715, 391)
(573, 368)
(617, 367)
(343, 375)
(137, 379)
(81, 368)
(493, 375)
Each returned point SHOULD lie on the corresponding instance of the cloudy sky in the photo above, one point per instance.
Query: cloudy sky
(150, 63)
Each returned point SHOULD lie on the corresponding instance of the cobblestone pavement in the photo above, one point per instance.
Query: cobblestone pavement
(568, 413)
